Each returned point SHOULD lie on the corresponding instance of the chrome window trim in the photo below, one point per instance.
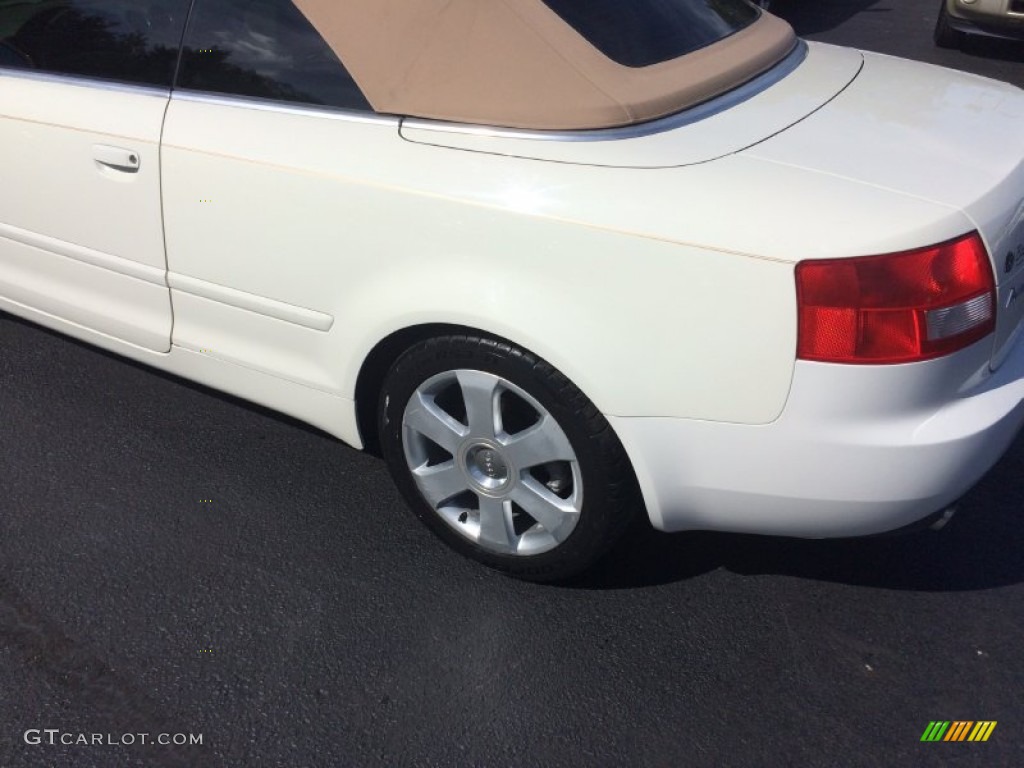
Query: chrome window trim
(692, 115)
(83, 81)
(285, 107)
(700, 112)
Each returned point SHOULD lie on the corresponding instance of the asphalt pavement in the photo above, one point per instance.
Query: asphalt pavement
(173, 561)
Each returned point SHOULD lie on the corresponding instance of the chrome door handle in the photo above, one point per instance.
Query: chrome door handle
(124, 160)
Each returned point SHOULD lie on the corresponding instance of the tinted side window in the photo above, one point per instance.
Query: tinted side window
(134, 41)
(638, 33)
(267, 49)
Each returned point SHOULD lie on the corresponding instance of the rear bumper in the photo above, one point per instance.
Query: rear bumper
(858, 450)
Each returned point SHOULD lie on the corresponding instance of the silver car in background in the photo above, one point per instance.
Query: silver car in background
(989, 18)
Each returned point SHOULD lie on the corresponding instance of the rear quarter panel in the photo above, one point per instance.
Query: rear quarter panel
(659, 292)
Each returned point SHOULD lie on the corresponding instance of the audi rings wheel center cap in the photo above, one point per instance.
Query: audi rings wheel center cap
(487, 468)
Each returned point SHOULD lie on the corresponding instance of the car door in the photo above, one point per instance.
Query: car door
(269, 155)
(84, 85)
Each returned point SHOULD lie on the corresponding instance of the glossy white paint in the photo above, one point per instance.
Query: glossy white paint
(103, 266)
(492, 242)
(904, 127)
(655, 271)
(859, 450)
(480, 241)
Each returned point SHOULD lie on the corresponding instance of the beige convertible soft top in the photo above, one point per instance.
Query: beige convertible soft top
(516, 63)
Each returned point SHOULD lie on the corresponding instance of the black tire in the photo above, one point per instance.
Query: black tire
(944, 35)
(610, 498)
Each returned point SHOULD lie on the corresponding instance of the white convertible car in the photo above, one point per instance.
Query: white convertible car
(558, 261)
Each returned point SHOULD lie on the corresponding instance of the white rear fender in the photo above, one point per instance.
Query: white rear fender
(634, 322)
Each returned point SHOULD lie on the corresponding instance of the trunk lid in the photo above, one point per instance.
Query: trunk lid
(947, 137)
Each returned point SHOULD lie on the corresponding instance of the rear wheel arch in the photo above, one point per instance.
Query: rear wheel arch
(375, 368)
(540, 423)
(386, 352)
(378, 361)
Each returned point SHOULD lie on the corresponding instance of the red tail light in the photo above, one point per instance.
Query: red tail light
(896, 308)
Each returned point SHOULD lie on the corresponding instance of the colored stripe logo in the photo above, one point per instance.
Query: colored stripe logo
(958, 730)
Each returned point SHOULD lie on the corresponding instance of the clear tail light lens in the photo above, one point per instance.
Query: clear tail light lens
(898, 307)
